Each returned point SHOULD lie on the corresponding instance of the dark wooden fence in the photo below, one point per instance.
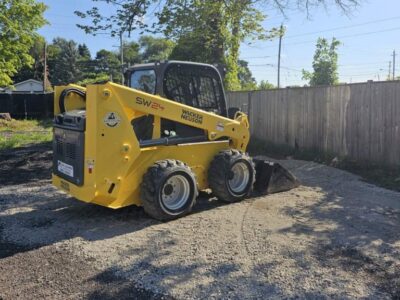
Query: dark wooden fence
(360, 121)
(27, 105)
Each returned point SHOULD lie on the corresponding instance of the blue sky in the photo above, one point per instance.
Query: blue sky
(368, 38)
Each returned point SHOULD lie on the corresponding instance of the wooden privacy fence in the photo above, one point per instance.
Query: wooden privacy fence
(27, 105)
(360, 121)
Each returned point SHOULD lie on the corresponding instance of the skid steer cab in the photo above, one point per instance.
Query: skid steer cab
(156, 142)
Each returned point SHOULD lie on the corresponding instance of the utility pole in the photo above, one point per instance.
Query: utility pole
(121, 45)
(279, 55)
(394, 65)
(45, 67)
(390, 69)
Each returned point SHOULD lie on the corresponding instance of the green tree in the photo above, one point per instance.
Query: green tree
(265, 85)
(127, 17)
(53, 52)
(198, 28)
(131, 53)
(19, 20)
(84, 51)
(220, 26)
(107, 62)
(244, 22)
(87, 67)
(35, 71)
(324, 64)
(91, 78)
(215, 27)
(190, 47)
(155, 49)
(64, 62)
(246, 79)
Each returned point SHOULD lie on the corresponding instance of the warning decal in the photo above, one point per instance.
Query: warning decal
(112, 119)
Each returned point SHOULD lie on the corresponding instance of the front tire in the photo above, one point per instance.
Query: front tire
(168, 190)
(231, 175)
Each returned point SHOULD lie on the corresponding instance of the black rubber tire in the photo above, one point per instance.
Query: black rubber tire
(219, 174)
(153, 184)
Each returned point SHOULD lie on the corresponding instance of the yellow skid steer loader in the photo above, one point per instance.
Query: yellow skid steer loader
(156, 142)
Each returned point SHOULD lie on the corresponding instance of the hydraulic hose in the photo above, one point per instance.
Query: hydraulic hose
(65, 92)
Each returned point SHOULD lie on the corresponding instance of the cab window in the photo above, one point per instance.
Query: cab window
(144, 80)
(196, 86)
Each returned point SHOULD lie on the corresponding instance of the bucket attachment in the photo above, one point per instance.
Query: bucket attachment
(271, 177)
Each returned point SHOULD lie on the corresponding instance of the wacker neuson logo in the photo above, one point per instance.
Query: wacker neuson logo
(191, 116)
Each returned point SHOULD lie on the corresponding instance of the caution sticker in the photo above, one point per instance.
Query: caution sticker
(112, 119)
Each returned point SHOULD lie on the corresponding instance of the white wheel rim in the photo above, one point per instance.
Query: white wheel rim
(240, 179)
(175, 192)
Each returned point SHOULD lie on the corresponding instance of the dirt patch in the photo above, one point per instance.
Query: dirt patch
(333, 237)
(25, 164)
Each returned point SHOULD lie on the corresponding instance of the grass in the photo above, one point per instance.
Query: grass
(17, 133)
(25, 125)
(384, 176)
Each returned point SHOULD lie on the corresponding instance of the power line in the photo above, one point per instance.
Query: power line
(298, 70)
(338, 37)
(255, 57)
(262, 65)
(363, 64)
(357, 49)
(275, 66)
(292, 69)
(343, 27)
(342, 70)
(352, 35)
(358, 75)
(368, 33)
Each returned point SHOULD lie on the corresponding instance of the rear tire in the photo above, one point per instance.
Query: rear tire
(168, 190)
(231, 175)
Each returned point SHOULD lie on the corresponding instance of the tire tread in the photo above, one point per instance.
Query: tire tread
(218, 169)
(153, 179)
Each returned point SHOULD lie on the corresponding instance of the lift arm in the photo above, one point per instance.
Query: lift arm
(236, 130)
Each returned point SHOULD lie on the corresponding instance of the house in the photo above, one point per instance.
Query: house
(27, 86)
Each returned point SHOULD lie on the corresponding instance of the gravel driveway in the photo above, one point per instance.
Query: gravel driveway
(334, 236)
